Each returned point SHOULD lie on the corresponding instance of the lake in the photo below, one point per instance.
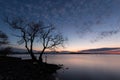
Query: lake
(84, 66)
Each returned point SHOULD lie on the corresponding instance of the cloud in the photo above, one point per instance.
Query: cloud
(85, 14)
(102, 50)
(105, 34)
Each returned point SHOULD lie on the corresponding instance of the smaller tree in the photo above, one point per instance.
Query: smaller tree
(3, 38)
(50, 40)
(5, 51)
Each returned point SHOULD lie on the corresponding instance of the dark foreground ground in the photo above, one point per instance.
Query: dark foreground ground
(16, 69)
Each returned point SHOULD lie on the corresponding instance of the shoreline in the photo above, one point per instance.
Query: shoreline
(26, 70)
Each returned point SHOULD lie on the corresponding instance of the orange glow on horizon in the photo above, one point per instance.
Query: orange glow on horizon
(74, 48)
(113, 52)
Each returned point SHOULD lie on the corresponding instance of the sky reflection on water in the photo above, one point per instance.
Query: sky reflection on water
(86, 67)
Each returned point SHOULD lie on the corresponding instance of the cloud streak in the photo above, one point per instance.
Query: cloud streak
(105, 34)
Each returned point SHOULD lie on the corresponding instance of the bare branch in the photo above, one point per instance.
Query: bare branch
(50, 39)
(28, 31)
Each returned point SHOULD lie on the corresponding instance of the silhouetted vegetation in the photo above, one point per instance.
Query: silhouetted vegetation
(31, 30)
(13, 68)
(25, 70)
(3, 38)
(5, 51)
(28, 32)
(50, 40)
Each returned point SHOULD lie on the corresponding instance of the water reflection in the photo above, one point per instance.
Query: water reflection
(86, 67)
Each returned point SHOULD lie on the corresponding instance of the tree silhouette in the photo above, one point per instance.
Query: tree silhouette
(28, 32)
(3, 38)
(4, 41)
(5, 51)
(50, 40)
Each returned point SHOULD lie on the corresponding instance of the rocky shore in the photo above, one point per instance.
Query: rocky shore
(26, 70)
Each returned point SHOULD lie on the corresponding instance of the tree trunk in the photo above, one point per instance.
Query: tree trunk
(40, 57)
(31, 51)
(33, 56)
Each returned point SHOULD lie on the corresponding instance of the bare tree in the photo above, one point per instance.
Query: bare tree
(3, 38)
(28, 32)
(5, 51)
(50, 40)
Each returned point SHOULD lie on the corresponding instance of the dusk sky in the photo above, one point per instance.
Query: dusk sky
(87, 24)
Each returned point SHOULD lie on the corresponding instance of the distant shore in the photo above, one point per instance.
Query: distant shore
(64, 53)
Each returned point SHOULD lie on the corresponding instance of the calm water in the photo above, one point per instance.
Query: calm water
(85, 67)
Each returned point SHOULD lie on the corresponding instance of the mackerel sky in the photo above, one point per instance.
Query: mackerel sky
(86, 23)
